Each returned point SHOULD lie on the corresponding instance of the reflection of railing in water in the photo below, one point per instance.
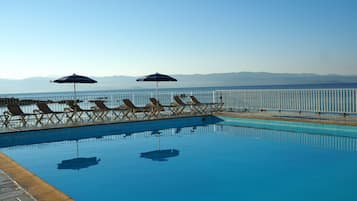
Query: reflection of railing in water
(185, 131)
(338, 143)
(105, 132)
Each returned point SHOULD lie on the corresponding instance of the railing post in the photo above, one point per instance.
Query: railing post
(213, 96)
(261, 100)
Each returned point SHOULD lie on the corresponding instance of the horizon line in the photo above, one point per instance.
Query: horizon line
(180, 74)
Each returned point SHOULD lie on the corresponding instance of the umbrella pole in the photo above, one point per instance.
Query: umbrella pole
(74, 100)
(157, 90)
(157, 98)
(75, 95)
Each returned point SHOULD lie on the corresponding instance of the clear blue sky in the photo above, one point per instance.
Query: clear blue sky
(59, 37)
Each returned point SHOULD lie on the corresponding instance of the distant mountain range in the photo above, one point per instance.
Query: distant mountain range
(43, 84)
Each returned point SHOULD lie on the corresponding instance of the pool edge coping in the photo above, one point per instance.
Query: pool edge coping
(252, 116)
(34, 185)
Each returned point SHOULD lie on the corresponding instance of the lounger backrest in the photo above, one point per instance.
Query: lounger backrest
(73, 106)
(15, 109)
(129, 104)
(156, 103)
(194, 100)
(178, 100)
(153, 101)
(100, 104)
(44, 107)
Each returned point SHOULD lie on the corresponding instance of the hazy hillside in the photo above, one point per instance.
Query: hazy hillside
(43, 84)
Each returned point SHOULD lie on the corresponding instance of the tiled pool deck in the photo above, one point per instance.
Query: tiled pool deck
(18, 178)
(14, 178)
(10, 190)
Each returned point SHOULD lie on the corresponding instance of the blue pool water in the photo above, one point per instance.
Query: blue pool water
(193, 159)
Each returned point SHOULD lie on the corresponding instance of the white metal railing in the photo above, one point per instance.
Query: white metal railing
(302, 100)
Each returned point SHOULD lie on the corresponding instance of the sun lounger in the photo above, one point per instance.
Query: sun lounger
(181, 106)
(14, 110)
(148, 110)
(76, 110)
(117, 112)
(160, 108)
(44, 110)
(204, 106)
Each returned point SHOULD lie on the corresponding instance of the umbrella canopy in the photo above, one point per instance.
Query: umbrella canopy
(75, 79)
(157, 77)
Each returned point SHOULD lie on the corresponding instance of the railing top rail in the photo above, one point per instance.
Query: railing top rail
(301, 89)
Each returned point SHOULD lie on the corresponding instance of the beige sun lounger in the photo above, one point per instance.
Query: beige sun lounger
(14, 110)
(44, 110)
(117, 112)
(214, 107)
(148, 110)
(75, 110)
(181, 106)
(160, 108)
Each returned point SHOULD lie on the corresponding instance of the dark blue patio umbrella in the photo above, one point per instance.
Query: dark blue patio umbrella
(75, 79)
(157, 77)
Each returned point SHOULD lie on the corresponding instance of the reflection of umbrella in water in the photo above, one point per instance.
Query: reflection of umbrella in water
(178, 130)
(75, 79)
(78, 162)
(159, 155)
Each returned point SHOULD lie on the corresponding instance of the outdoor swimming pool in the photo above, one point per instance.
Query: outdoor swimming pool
(193, 159)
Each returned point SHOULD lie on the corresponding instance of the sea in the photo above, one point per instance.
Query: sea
(178, 90)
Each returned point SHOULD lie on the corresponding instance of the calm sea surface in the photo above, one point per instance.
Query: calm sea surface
(180, 90)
